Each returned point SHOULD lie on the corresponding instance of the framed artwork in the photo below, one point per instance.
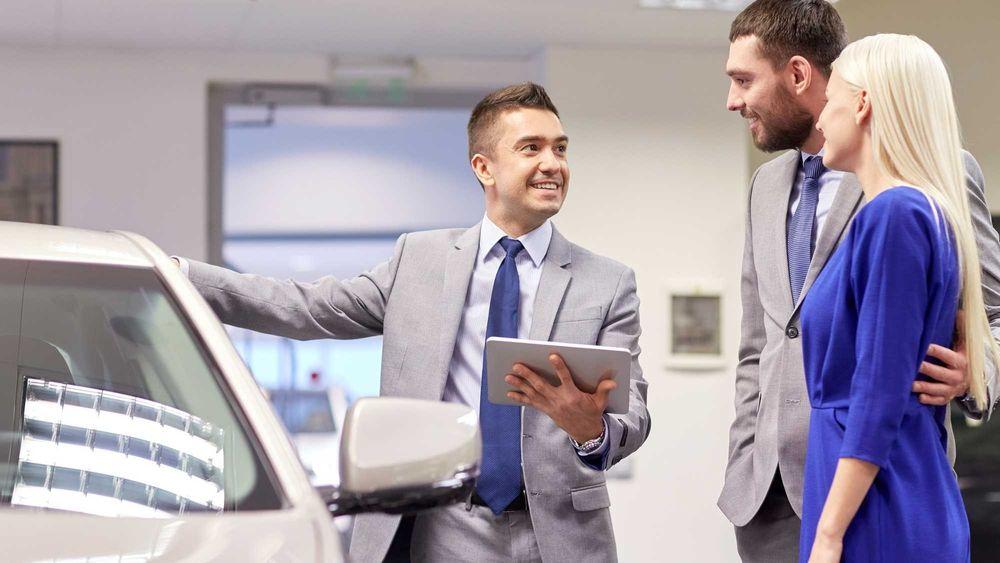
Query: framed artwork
(29, 181)
(694, 326)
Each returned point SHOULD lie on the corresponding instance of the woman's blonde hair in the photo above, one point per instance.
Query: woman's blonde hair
(916, 141)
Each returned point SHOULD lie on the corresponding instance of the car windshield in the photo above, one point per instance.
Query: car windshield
(304, 412)
(108, 403)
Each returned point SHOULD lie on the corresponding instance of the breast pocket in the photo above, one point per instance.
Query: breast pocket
(578, 325)
(595, 313)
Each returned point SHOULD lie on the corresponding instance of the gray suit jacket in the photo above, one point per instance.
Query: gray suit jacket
(771, 426)
(415, 300)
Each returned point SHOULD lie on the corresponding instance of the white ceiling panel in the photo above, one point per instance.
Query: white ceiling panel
(28, 22)
(474, 28)
(211, 24)
(389, 27)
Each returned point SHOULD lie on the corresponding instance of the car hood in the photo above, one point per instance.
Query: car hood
(280, 536)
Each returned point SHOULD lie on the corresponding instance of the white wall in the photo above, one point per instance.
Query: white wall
(131, 129)
(658, 182)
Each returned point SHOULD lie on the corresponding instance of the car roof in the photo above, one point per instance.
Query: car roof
(27, 241)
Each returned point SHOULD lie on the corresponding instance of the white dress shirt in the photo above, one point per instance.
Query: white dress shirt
(466, 370)
(465, 373)
(829, 181)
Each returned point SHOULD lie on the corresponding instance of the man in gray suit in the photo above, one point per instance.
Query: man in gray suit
(542, 493)
(779, 63)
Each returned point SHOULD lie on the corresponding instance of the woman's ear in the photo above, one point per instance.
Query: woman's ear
(863, 110)
(482, 166)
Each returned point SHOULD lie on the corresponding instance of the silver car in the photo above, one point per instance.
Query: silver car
(130, 430)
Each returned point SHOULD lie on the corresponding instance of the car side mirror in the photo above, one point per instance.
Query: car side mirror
(403, 455)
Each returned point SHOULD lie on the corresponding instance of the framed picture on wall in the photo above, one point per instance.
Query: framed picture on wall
(29, 181)
(694, 326)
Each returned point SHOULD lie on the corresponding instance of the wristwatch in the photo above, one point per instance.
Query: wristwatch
(590, 446)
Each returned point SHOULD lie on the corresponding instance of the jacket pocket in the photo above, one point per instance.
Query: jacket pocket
(591, 497)
(595, 313)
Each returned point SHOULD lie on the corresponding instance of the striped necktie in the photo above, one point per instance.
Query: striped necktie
(800, 228)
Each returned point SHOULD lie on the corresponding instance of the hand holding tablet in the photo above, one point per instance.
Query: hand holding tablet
(589, 365)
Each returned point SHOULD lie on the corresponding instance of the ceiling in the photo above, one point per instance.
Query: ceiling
(369, 27)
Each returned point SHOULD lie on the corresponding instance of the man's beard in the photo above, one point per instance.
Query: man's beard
(786, 125)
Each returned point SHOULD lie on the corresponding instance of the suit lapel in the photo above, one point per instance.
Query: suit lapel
(551, 287)
(776, 225)
(844, 206)
(457, 274)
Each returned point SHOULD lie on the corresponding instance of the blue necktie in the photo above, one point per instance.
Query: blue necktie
(800, 228)
(500, 475)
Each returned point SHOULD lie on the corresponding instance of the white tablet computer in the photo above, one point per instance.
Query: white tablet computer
(588, 364)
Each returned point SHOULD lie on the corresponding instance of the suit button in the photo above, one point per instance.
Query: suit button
(792, 332)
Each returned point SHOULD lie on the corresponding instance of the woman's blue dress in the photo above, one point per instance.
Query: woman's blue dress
(887, 293)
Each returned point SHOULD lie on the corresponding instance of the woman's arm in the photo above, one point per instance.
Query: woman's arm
(851, 482)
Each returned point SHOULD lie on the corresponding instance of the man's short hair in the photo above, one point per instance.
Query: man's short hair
(483, 131)
(785, 28)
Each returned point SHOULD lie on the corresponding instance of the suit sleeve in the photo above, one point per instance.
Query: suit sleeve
(752, 341)
(989, 260)
(325, 308)
(889, 282)
(626, 432)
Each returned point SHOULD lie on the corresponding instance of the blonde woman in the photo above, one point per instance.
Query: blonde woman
(879, 485)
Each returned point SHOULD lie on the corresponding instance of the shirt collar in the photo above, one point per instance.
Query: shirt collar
(536, 243)
(803, 155)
